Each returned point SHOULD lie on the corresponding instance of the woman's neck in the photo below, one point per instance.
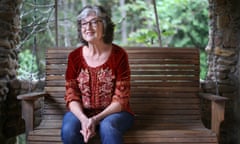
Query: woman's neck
(96, 55)
(98, 49)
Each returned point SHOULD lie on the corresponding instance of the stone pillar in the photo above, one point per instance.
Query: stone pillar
(10, 118)
(223, 61)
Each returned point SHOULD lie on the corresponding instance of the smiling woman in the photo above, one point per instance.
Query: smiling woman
(97, 83)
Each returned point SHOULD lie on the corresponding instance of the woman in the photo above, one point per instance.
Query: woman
(97, 83)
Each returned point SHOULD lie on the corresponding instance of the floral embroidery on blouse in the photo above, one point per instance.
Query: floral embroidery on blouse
(105, 78)
(83, 84)
(96, 87)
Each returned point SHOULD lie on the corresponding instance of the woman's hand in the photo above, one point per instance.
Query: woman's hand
(83, 131)
(91, 128)
(87, 124)
(88, 129)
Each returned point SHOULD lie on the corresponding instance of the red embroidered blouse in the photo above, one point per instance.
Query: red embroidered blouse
(96, 87)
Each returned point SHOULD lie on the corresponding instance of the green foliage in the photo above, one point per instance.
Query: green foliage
(143, 36)
(203, 65)
(183, 23)
(21, 139)
(28, 67)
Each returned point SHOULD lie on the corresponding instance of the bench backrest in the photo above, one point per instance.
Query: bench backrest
(164, 83)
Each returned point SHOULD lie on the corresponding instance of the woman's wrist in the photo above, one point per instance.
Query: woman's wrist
(95, 120)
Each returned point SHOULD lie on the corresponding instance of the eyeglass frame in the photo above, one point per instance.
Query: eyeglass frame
(93, 23)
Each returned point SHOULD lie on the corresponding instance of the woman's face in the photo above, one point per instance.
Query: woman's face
(92, 29)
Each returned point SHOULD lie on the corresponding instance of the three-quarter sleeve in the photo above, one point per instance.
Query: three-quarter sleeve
(122, 88)
(72, 90)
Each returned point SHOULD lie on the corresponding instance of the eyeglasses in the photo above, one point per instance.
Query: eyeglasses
(92, 23)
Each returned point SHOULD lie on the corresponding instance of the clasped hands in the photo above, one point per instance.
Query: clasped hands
(88, 128)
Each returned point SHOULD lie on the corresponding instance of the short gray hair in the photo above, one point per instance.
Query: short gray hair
(86, 11)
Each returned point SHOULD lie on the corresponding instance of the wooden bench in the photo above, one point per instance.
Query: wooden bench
(165, 93)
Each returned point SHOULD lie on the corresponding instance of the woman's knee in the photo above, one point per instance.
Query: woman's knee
(70, 122)
(116, 122)
(109, 132)
(71, 127)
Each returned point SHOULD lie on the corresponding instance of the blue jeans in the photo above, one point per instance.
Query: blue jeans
(111, 128)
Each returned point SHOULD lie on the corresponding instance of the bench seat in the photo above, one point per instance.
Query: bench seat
(49, 132)
(165, 97)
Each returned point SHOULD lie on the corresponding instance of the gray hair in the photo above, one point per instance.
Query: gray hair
(88, 10)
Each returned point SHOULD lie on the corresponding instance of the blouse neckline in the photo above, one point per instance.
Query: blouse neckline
(99, 66)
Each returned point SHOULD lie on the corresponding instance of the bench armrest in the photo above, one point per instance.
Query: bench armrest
(27, 102)
(217, 110)
(31, 96)
(212, 97)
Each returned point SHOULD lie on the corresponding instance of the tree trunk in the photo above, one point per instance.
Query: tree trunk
(10, 116)
(66, 24)
(223, 74)
(157, 23)
(84, 2)
(124, 23)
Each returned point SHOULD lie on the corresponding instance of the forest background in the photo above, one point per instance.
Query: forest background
(182, 23)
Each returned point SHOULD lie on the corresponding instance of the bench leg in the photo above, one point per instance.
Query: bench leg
(27, 115)
(218, 108)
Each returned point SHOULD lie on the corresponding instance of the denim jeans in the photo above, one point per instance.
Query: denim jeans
(111, 128)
